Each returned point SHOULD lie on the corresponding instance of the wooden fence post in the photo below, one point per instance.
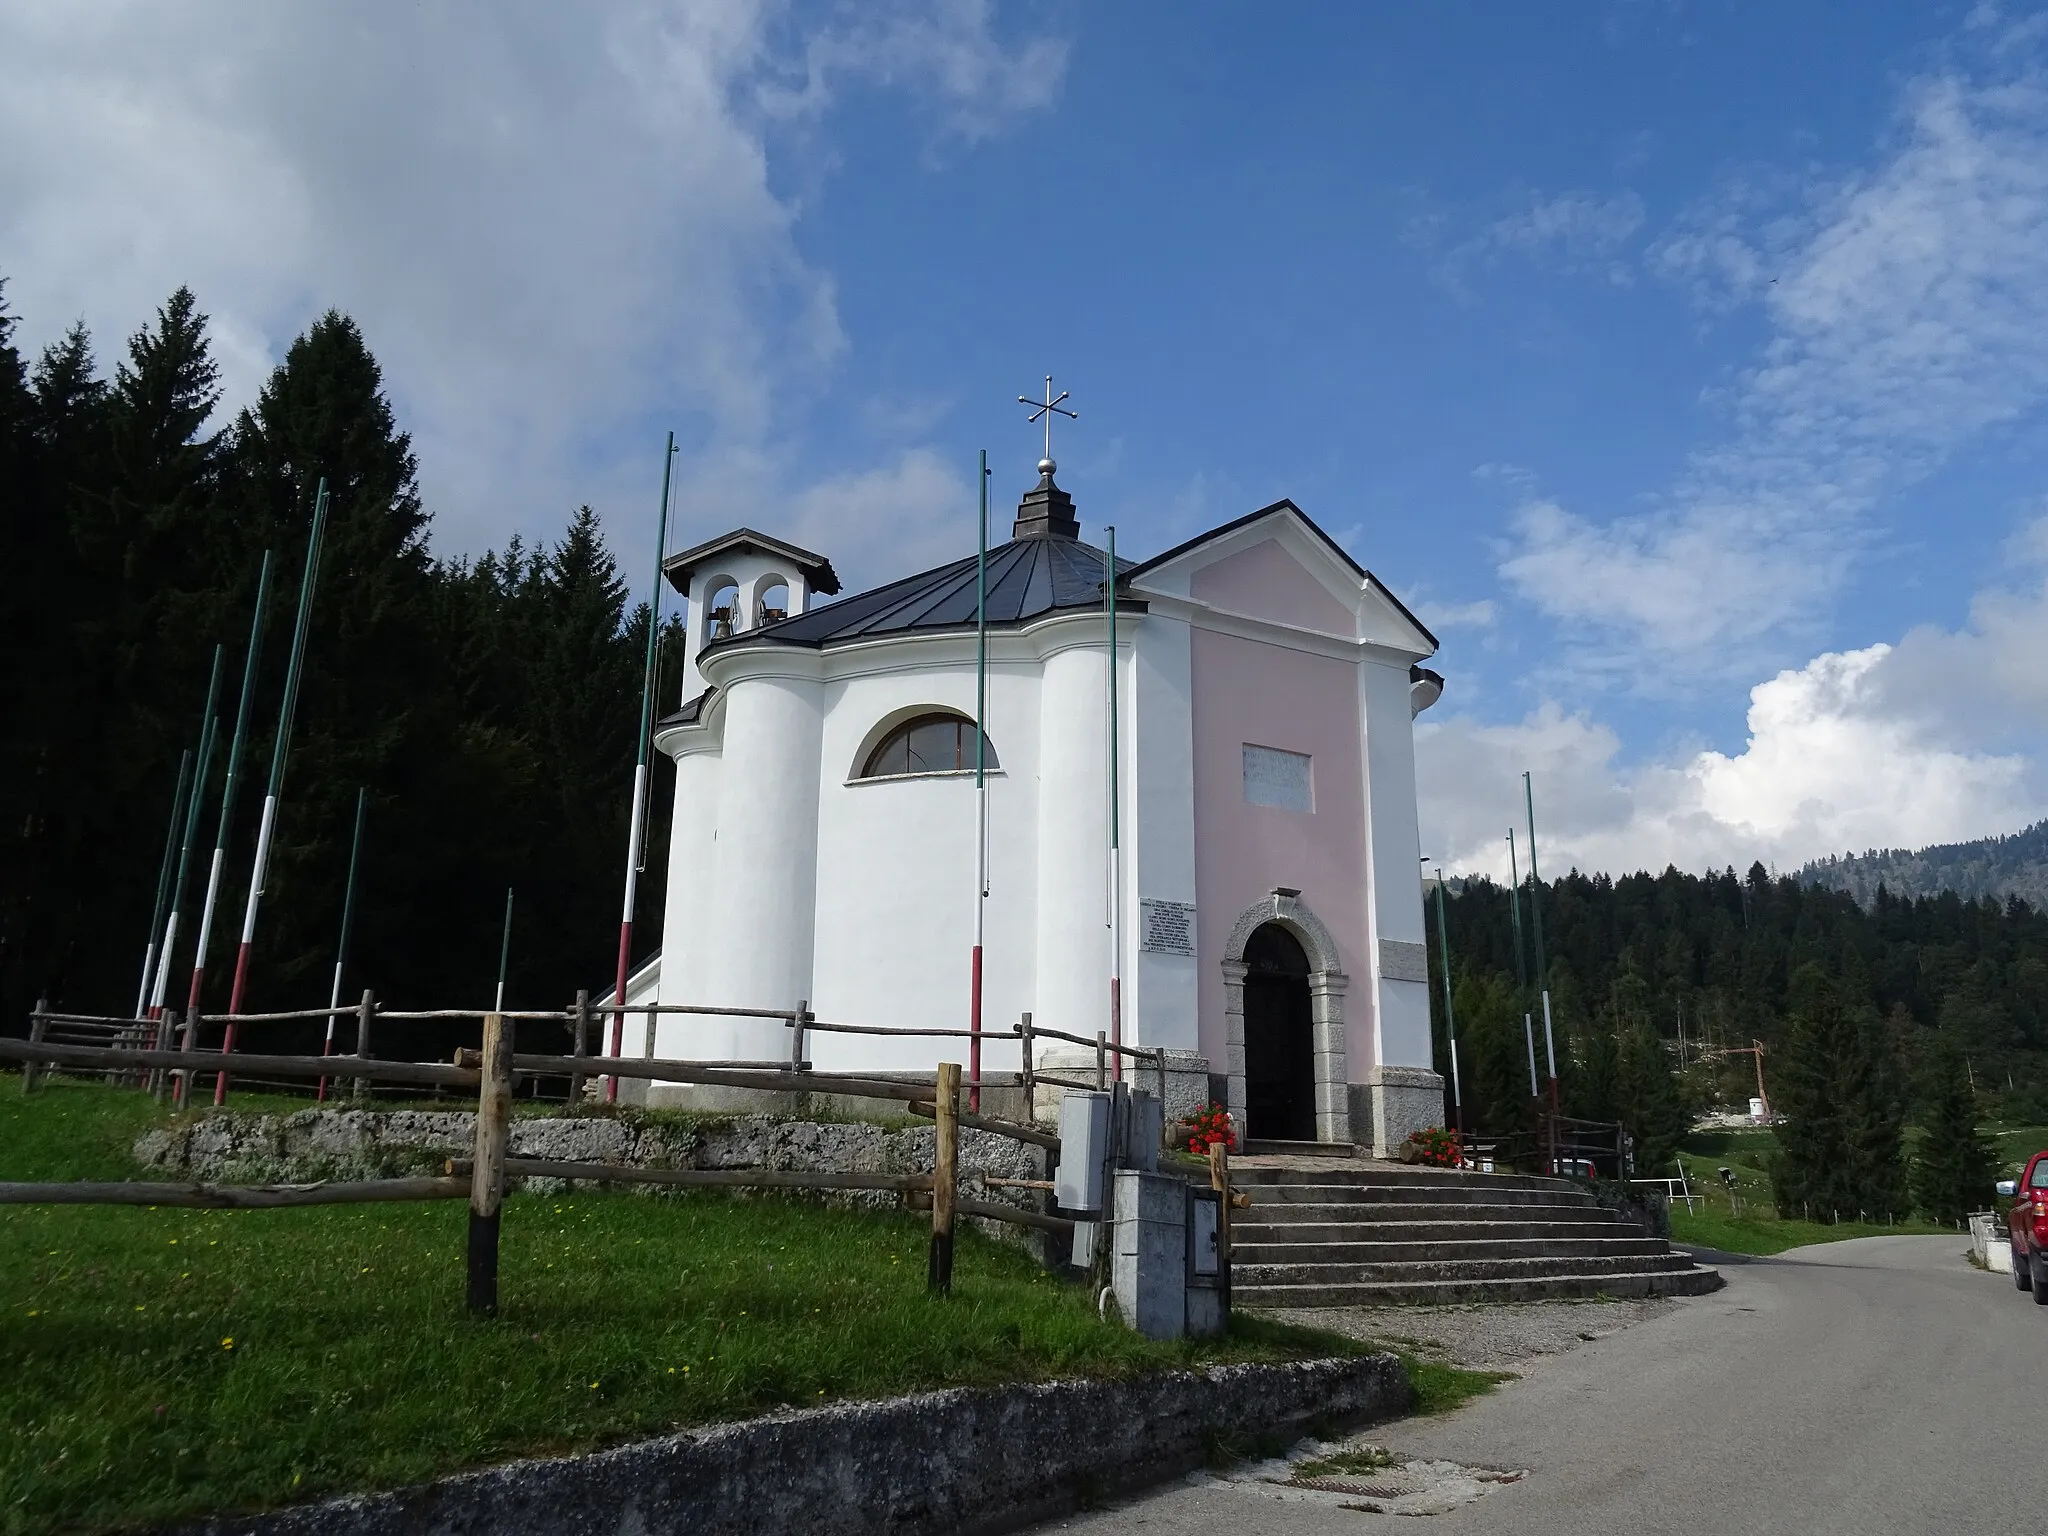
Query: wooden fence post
(37, 1025)
(798, 1038)
(1030, 1071)
(181, 1080)
(945, 1178)
(579, 1044)
(366, 1010)
(166, 1035)
(487, 1175)
(1101, 1061)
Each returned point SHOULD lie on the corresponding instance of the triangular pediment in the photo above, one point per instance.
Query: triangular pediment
(1278, 566)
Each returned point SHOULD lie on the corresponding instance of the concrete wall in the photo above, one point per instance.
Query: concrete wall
(961, 1461)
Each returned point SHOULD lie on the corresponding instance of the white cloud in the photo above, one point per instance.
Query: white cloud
(559, 229)
(1439, 617)
(1573, 232)
(1940, 737)
(1906, 310)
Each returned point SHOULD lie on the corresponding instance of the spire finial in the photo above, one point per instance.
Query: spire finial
(1044, 410)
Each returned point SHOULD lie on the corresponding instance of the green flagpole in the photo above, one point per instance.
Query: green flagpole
(1542, 980)
(1116, 860)
(227, 793)
(980, 795)
(636, 828)
(163, 880)
(348, 912)
(208, 729)
(1443, 944)
(504, 953)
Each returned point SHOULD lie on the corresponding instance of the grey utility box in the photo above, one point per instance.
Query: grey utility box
(1208, 1270)
(1084, 1150)
(1149, 1253)
(1144, 1127)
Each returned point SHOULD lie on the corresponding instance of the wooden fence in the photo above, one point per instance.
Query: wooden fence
(136, 1051)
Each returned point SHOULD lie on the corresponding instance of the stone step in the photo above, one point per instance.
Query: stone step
(1370, 1172)
(1444, 1192)
(1424, 1231)
(1259, 1276)
(1696, 1280)
(1377, 1251)
(1356, 1213)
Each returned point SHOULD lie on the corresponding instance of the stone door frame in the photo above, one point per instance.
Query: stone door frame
(1326, 984)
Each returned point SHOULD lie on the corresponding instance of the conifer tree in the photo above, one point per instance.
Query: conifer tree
(1952, 1166)
(1839, 1133)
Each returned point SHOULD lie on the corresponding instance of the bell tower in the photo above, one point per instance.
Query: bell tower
(739, 583)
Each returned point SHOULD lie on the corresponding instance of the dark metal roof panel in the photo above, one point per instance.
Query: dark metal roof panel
(1027, 578)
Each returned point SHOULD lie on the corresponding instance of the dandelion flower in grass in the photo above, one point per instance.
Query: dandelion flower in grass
(227, 1343)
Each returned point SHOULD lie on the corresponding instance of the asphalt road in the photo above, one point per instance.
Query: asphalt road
(1876, 1385)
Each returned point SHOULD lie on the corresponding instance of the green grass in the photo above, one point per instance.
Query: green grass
(1758, 1231)
(1440, 1387)
(156, 1364)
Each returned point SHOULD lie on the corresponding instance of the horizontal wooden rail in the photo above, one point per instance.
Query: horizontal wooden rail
(419, 1073)
(1062, 1082)
(996, 1210)
(245, 1197)
(669, 1071)
(904, 1029)
(1142, 1052)
(724, 1178)
(1009, 1128)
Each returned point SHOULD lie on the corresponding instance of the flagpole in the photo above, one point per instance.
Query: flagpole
(207, 729)
(634, 832)
(280, 751)
(163, 881)
(348, 911)
(227, 794)
(980, 794)
(504, 952)
(1443, 945)
(1542, 980)
(1116, 861)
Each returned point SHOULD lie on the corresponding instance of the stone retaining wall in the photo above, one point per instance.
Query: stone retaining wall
(966, 1460)
(378, 1143)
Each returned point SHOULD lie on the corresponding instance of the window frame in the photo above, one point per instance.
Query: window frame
(899, 734)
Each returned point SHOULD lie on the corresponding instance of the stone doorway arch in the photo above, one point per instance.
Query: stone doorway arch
(1326, 984)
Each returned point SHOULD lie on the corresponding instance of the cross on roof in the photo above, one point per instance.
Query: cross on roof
(1045, 410)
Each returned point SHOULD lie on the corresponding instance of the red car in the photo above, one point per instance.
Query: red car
(2029, 1222)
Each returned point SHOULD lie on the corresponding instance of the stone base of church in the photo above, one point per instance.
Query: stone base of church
(1187, 1080)
(1395, 1102)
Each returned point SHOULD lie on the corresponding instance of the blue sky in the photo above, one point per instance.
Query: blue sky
(1683, 363)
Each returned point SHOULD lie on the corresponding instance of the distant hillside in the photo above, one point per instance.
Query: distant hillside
(2015, 865)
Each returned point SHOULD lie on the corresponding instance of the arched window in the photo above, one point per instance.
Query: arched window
(773, 604)
(927, 744)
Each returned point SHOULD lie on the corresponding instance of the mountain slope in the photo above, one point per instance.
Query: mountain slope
(2012, 865)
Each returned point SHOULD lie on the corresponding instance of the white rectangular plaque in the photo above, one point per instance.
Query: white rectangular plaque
(1277, 778)
(1402, 961)
(1166, 927)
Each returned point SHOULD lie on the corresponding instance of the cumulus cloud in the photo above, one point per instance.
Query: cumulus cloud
(1906, 307)
(1855, 749)
(559, 229)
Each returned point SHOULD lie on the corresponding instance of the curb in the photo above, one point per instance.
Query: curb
(968, 1459)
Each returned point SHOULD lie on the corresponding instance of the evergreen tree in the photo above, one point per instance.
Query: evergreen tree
(1839, 1133)
(1952, 1167)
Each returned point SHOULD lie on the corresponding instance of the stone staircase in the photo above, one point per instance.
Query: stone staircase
(1346, 1232)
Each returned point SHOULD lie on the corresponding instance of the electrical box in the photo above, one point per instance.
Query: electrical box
(1084, 1149)
(1144, 1127)
(1205, 1234)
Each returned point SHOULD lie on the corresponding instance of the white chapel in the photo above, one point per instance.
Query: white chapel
(823, 845)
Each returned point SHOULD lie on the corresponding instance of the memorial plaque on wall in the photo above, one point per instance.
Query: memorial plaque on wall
(1166, 927)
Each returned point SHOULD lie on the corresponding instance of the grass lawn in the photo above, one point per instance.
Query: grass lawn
(157, 1364)
(1755, 1228)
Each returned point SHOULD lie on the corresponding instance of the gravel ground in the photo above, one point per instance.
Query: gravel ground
(1482, 1336)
